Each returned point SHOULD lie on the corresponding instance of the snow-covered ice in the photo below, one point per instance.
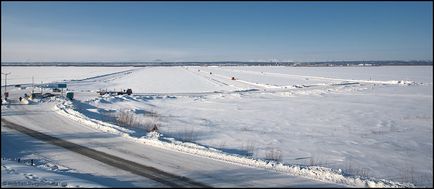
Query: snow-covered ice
(23, 75)
(368, 123)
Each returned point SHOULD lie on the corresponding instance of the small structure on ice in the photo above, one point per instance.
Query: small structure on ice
(70, 95)
(122, 92)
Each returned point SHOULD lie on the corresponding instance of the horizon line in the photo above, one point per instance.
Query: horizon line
(246, 61)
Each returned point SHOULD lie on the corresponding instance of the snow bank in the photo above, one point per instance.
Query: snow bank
(66, 108)
(25, 101)
(48, 175)
(312, 172)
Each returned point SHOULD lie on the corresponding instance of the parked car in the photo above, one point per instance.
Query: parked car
(35, 95)
(46, 95)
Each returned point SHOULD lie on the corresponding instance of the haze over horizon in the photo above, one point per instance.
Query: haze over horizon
(215, 31)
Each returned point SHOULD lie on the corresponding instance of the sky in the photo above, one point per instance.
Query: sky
(215, 31)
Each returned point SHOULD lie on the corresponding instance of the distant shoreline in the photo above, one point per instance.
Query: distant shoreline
(228, 63)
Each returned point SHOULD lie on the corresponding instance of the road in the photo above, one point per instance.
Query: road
(133, 167)
(171, 168)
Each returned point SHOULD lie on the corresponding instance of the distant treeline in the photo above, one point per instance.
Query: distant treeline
(226, 63)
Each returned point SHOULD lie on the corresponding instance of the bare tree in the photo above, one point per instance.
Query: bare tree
(148, 121)
(274, 154)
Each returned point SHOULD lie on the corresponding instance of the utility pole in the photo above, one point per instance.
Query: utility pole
(33, 85)
(6, 83)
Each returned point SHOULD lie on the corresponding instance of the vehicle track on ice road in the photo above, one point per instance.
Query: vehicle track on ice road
(165, 178)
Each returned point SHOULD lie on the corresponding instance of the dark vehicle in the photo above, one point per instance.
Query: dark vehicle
(35, 95)
(129, 91)
(56, 90)
(46, 95)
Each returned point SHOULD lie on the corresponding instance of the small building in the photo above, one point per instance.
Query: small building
(70, 95)
(61, 85)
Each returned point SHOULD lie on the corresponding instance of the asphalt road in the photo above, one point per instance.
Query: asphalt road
(165, 178)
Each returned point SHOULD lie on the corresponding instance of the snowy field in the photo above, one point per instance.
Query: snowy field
(367, 122)
(23, 75)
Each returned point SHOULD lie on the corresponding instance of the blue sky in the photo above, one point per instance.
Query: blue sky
(216, 31)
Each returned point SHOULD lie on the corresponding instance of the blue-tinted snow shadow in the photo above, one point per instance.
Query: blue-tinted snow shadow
(236, 151)
(253, 178)
(104, 181)
(84, 109)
